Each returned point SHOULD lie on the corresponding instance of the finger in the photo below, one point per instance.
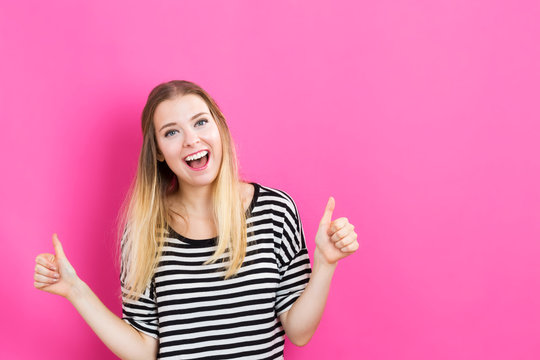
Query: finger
(344, 231)
(38, 284)
(58, 247)
(40, 269)
(347, 240)
(42, 260)
(351, 247)
(44, 279)
(327, 216)
(339, 223)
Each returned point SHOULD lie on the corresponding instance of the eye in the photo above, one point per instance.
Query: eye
(169, 132)
(201, 121)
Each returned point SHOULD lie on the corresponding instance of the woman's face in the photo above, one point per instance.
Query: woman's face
(184, 130)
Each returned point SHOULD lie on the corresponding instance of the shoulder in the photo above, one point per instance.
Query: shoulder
(286, 218)
(278, 198)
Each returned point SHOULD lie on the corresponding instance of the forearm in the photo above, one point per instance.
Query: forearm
(120, 337)
(304, 316)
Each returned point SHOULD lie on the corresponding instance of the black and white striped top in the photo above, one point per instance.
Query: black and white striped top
(196, 314)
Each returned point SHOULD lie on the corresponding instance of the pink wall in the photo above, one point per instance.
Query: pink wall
(419, 117)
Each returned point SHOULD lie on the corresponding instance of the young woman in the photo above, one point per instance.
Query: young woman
(212, 267)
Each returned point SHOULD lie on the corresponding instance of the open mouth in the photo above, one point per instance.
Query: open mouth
(199, 162)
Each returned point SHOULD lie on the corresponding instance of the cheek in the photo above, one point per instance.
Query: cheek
(219, 144)
(219, 147)
(161, 148)
(215, 138)
(169, 148)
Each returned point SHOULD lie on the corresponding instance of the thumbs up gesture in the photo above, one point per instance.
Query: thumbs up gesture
(335, 239)
(53, 272)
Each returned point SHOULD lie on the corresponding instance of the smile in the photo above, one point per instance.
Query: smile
(198, 161)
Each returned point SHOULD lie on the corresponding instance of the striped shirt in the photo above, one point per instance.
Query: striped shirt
(196, 314)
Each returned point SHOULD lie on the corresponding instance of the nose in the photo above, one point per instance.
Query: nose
(190, 138)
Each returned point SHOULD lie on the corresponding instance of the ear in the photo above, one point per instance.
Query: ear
(160, 156)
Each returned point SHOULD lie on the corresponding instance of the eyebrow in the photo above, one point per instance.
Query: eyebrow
(173, 123)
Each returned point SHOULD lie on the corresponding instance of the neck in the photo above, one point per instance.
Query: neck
(195, 200)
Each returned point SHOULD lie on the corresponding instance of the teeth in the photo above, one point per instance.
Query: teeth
(197, 155)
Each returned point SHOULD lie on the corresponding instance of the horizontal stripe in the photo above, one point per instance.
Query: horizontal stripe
(195, 313)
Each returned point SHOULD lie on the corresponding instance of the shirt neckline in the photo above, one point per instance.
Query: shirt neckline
(213, 240)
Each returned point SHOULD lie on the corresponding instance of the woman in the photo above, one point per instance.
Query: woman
(211, 266)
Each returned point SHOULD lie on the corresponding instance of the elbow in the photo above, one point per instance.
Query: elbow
(301, 340)
(300, 343)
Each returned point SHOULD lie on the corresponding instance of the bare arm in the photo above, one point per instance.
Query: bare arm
(302, 319)
(120, 337)
(335, 240)
(54, 274)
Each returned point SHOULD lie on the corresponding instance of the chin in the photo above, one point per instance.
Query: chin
(203, 181)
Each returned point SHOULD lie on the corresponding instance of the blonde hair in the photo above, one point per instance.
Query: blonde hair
(144, 215)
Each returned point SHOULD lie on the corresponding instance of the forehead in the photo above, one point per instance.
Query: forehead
(179, 109)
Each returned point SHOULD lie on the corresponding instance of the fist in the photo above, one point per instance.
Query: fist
(335, 239)
(53, 272)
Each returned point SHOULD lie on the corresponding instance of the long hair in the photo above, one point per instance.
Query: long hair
(144, 215)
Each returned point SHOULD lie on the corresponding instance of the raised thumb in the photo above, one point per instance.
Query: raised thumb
(58, 247)
(327, 216)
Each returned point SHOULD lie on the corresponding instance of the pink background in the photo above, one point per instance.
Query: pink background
(420, 117)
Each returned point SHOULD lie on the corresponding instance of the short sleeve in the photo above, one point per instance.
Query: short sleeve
(141, 313)
(293, 259)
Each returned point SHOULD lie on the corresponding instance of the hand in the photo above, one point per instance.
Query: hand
(335, 239)
(54, 273)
